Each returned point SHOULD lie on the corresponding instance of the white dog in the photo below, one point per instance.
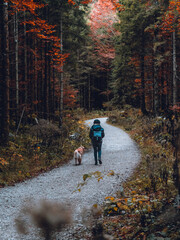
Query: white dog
(78, 155)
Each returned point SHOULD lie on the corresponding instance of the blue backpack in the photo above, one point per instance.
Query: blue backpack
(97, 135)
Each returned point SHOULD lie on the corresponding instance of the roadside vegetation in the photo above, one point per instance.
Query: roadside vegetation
(41, 146)
(147, 206)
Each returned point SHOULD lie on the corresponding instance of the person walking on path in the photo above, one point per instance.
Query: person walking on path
(96, 134)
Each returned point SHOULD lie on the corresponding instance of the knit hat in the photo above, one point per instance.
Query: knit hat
(96, 121)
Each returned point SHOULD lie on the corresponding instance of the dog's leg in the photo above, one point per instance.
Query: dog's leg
(75, 157)
(79, 159)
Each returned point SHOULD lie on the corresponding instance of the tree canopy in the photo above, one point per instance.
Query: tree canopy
(59, 55)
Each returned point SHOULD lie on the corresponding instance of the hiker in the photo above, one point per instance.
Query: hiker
(96, 134)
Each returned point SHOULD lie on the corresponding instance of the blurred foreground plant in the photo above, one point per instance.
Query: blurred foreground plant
(49, 217)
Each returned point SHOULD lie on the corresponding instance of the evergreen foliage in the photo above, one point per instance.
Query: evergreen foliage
(142, 68)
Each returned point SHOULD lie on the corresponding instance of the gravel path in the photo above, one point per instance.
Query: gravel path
(119, 153)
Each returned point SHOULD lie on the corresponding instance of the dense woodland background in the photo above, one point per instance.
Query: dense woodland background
(58, 55)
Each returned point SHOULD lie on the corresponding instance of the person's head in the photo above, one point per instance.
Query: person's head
(96, 122)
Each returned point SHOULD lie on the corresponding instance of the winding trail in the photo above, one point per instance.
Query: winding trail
(119, 153)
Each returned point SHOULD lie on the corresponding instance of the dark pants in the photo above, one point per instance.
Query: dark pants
(97, 150)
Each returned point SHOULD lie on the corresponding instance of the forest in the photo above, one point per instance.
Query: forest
(58, 55)
(62, 61)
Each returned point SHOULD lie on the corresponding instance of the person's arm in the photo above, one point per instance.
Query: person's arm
(103, 134)
(91, 133)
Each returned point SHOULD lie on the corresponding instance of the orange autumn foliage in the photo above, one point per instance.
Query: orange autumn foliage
(40, 28)
(82, 2)
(117, 5)
(171, 18)
(25, 5)
(102, 18)
(70, 96)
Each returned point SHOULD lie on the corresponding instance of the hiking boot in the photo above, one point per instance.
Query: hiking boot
(100, 162)
(96, 163)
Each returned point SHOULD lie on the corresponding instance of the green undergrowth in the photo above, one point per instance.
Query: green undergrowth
(145, 207)
(40, 147)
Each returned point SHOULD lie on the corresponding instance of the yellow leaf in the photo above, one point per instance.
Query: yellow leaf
(125, 207)
(111, 198)
(115, 209)
(118, 204)
(111, 173)
(149, 209)
(97, 174)
(85, 176)
(100, 178)
(3, 161)
(155, 205)
(125, 200)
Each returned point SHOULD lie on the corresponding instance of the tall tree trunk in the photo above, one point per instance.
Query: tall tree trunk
(61, 78)
(155, 86)
(41, 88)
(50, 89)
(4, 133)
(89, 93)
(16, 62)
(35, 78)
(174, 98)
(143, 105)
(78, 79)
(53, 89)
(163, 86)
(45, 92)
(25, 61)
